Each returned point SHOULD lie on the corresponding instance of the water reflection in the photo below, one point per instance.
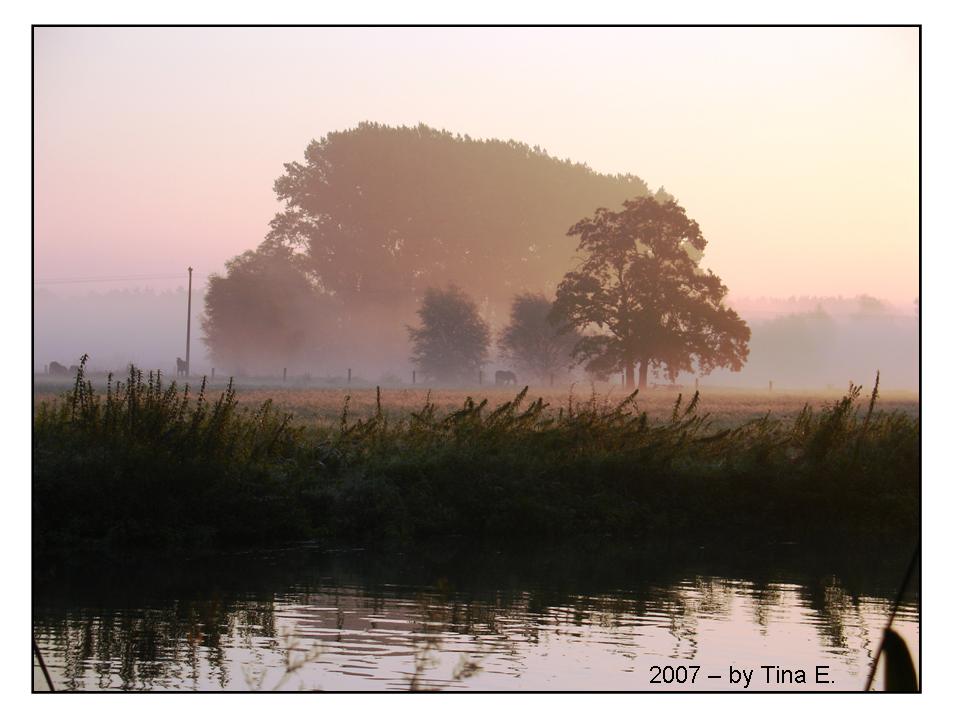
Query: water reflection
(449, 618)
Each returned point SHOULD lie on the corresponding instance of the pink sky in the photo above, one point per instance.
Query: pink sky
(796, 149)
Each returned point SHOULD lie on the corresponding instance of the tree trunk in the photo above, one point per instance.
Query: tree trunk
(628, 374)
(643, 374)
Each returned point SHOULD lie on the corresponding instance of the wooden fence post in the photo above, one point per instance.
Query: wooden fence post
(284, 374)
(213, 373)
(414, 378)
(349, 375)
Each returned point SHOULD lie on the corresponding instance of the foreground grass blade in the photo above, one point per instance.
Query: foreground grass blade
(900, 675)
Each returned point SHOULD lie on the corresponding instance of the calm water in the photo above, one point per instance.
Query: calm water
(452, 618)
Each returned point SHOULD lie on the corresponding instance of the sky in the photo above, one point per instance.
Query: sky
(796, 149)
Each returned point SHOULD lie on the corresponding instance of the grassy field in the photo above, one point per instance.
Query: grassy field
(726, 407)
(147, 464)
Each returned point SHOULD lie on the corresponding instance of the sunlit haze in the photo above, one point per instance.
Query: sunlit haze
(795, 149)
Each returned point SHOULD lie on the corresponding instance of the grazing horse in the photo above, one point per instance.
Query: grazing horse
(58, 369)
(182, 367)
(504, 377)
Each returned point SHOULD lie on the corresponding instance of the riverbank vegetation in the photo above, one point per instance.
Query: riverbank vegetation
(151, 464)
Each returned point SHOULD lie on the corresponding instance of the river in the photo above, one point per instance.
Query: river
(454, 616)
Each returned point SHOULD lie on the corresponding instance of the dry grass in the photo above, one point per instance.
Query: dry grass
(726, 407)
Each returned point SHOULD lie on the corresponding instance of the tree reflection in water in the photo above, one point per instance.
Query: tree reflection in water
(446, 618)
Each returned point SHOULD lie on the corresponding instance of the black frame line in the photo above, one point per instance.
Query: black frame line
(919, 28)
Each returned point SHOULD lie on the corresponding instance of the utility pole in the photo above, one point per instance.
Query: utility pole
(189, 299)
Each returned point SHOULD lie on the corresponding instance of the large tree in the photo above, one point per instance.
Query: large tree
(381, 213)
(374, 215)
(265, 314)
(531, 343)
(640, 288)
(451, 343)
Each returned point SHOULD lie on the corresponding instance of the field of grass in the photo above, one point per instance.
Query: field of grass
(725, 407)
(146, 464)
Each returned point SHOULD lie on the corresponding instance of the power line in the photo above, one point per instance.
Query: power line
(111, 278)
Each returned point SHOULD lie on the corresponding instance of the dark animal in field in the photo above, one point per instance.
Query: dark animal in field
(182, 367)
(504, 377)
(58, 369)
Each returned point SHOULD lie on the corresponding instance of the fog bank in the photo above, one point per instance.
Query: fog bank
(797, 343)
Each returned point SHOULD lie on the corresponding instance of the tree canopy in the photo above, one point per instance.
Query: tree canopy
(375, 215)
(451, 343)
(385, 212)
(264, 314)
(534, 345)
(640, 289)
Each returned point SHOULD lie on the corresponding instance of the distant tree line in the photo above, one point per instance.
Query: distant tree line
(382, 223)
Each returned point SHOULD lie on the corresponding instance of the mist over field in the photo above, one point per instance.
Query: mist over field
(799, 343)
(318, 221)
(403, 249)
